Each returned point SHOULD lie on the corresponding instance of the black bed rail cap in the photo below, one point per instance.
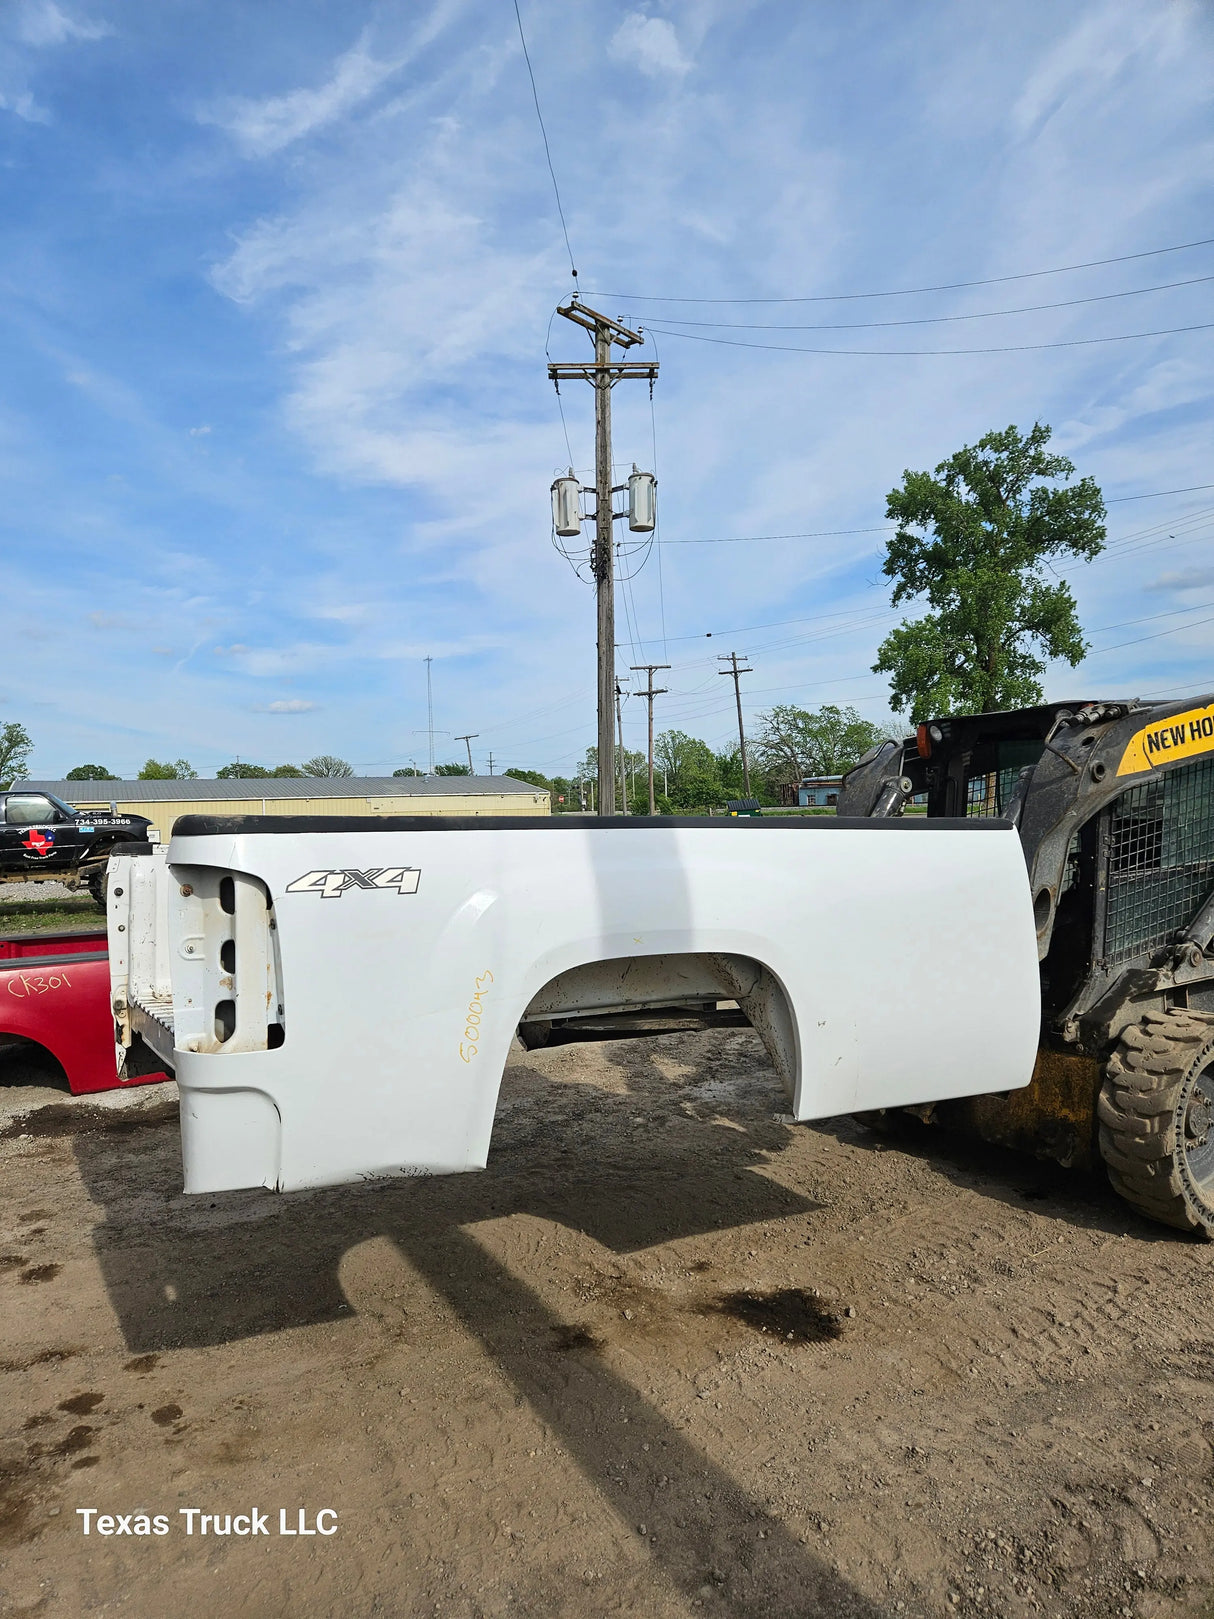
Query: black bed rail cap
(211, 826)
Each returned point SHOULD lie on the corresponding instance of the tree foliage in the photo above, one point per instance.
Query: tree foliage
(409, 770)
(16, 745)
(327, 764)
(534, 778)
(160, 770)
(452, 770)
(794, 742)
(974, 540)
(90, 773)
(241, 770)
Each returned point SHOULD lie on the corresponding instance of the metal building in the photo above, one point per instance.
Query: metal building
(163, 801)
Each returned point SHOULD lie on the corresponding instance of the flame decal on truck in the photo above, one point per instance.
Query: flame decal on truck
(333, 884)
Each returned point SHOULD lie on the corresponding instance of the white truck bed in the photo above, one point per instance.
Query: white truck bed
(344, 992)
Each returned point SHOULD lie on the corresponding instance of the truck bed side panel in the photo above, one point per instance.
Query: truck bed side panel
(906, 953)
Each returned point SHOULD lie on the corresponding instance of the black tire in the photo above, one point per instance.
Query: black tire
(99, 886)
(1156, 1112)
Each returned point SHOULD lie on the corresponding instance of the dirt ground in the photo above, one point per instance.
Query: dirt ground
(668, 1356)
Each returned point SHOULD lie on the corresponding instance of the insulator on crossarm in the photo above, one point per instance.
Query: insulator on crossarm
(642, 501)
(566, 505)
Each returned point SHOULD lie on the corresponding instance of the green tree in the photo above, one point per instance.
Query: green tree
(239, 770)
(409, 770)
(287, 770)
(685, 771)
(16, 746)
(157, 770)
(532, 777)
(90, 773)
(452, 770)
(327, 764)
(793, 742)
(974, 539)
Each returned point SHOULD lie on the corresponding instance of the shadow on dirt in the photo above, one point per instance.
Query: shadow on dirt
(214, 1270)
(1077, 1197)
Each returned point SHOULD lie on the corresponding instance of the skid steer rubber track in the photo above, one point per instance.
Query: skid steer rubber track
(1156, 1112)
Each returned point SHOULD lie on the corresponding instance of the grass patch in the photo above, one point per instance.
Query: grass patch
(77, 913)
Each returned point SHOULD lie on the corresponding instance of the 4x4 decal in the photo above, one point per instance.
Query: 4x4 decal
(333, 884)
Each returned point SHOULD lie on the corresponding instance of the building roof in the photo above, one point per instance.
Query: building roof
(259, 787)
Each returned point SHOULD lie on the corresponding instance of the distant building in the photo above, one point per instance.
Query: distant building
(819, 791)
(163, 801)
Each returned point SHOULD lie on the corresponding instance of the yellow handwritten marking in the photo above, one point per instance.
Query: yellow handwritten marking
(468, 1047)
(1181, 737)
(26, 985)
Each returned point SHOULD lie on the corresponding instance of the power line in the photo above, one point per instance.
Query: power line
(1006, 348)
(810, 534)
(909, 292)
(1156, 493)
(886, 528)
(940, 320)
(547, 152)
(1159, 634)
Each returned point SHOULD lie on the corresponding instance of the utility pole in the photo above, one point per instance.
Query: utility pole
(602, 376)
(649, 694)
(467, 741)
(430, 714)
(490, 764)
(619, 725)
(732, 660)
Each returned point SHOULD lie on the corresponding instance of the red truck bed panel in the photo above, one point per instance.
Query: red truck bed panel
(55, 989)
(16, 946)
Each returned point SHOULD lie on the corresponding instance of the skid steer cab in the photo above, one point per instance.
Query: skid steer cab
(1114, 805)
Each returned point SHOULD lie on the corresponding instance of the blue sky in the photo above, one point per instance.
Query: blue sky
(278, 281)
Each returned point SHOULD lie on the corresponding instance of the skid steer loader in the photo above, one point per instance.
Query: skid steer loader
(1114, 804)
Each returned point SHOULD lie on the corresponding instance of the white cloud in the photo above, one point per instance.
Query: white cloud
(200, 432)
(22, 103)
(649, 43)
(289, 705)
(264, 127)
(1183, 579)
(42, 22)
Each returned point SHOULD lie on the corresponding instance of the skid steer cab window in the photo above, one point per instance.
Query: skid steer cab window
(34, 809)
(993, 773)
(1160, 844)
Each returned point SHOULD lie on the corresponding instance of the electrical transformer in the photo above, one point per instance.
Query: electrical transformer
(642, 501)
(566, 505)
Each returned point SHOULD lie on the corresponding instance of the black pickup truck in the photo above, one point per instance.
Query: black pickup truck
(42, 838)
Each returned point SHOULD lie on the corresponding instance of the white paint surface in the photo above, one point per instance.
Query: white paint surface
(906, 951)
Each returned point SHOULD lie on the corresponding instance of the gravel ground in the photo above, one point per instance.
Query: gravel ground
(668, 1356)
(16, 891)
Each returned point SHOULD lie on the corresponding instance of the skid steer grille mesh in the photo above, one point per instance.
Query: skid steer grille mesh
(1161, 859)
(988, 795)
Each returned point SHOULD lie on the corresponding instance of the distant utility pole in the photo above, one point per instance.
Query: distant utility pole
(602, 376)
(468, 741)
(490, 764)
(650, 692)
(731, 659)
(619, 725)
(430, 714)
